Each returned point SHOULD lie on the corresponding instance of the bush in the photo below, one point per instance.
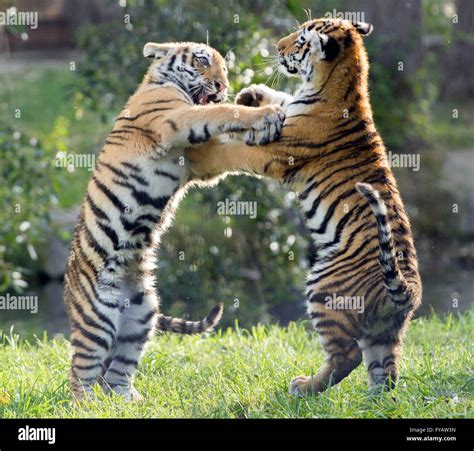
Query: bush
(27, 193)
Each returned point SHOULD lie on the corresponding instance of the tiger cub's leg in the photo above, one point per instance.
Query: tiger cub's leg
(381, 355)
(381, 362)
(382, 341)
(93, 328)
(136, 327)
(342, 351)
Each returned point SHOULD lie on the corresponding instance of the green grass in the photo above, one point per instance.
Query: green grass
(244, 374)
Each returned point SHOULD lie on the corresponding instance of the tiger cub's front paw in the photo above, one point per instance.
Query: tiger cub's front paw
(301, 386)
(267, 127)
(254, 96)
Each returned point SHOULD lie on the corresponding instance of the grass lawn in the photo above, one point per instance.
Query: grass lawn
(245, 374)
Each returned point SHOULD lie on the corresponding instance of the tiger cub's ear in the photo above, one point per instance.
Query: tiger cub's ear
(363, 28)
(154, 50)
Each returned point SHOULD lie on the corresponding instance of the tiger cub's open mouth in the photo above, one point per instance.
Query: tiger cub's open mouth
(203, 99)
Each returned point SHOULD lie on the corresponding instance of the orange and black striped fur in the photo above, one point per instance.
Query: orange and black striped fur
(140, 175)
(364, 285)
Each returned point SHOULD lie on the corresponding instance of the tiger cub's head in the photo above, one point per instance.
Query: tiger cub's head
(198, 69)
(317, 46)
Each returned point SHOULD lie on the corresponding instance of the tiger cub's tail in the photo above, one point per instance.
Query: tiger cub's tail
(396, 284)
(182, 326)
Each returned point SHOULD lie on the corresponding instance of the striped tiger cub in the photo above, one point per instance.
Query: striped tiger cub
(364, 285)
(140, 176)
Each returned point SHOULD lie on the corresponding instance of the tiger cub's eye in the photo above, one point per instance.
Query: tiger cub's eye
(203, 61)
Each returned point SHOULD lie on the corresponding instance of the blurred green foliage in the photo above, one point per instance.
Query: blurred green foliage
(26, 192)
(41, 116)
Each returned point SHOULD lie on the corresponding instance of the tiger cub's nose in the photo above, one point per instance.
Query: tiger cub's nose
(219, 86)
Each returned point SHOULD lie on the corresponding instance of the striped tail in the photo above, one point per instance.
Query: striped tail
(396, 284)
(182, 326)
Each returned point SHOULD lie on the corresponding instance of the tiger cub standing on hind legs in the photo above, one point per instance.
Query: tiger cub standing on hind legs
(331, 154)
(140, 176)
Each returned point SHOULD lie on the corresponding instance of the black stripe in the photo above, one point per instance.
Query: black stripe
(316, 315)
(353, 267)
(346, 122)
(75, 342)
(142, 230)
(92, 242)
(319, 297)
(100, 315)
(350, 87)
(330, 323)
(378, 294)
(99, 341)
(361, 278)
(143, 113)
(388, 360)
(171, 63)
(362, 143)
(125, 360)
(86, 318)
(380, 172)
(134, 338)
(81, 355)
(131, 165)
(111, 234)
(144, 131)
(120, 132)
(111, 196)
(92, 283)
(172, 124)
(374, 365)
(139, 179)
(137, 299)
(331, 258)
(87, 367)
(332, 269)
(361, 126)
(306, 101)
(146, 319)
(143, 198)
(166, 174)
(98, 212)
(193, 138)
(153, 102)
(114, 143)
(113, 169)
(386, 340)
(118, 373)
(338, 232)
(129, 225)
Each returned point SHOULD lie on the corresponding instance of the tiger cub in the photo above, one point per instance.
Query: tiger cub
(140, 176)
(364, 285)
